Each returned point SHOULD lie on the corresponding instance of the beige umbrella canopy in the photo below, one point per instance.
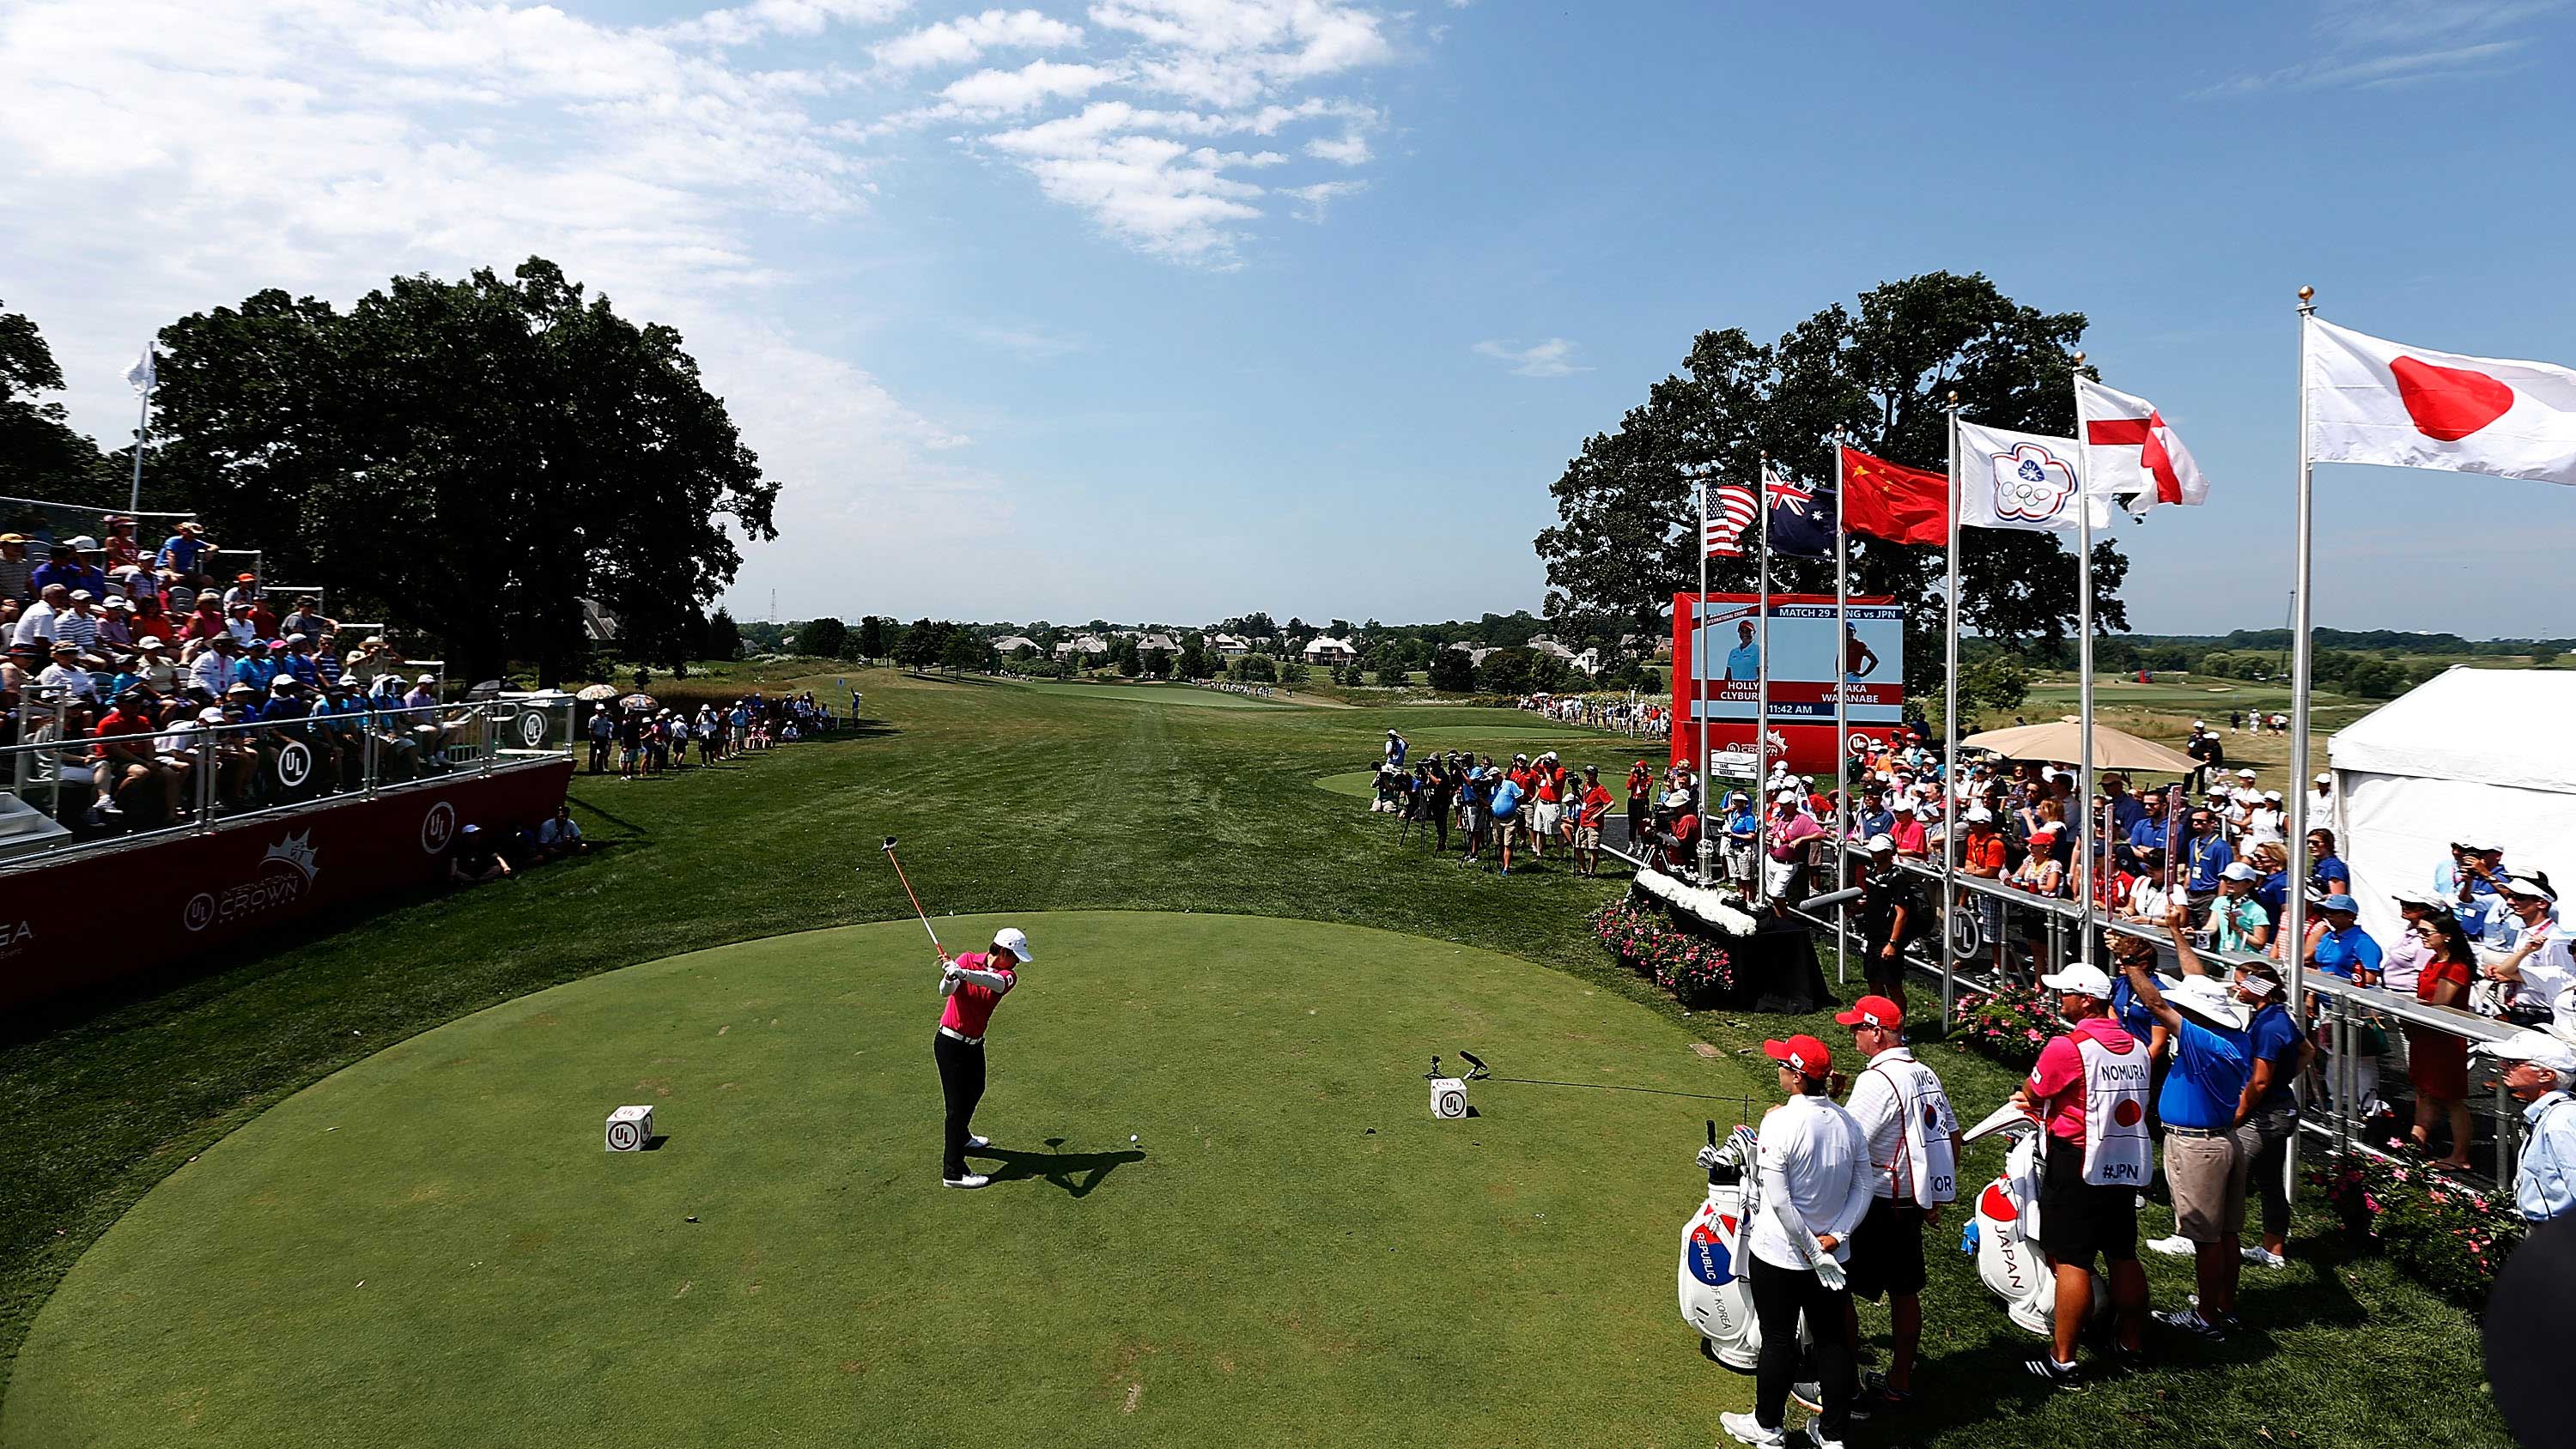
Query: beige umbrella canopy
(2063, 741)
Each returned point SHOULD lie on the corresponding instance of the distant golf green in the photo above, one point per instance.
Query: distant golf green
(1157, 694)
(432, 1248)
(1358, 784)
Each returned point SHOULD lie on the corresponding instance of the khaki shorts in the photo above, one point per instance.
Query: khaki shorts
(1587, 837)
(2207, 1176)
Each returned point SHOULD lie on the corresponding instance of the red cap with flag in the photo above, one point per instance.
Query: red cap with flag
(1875, 1011)
(1802, 1054)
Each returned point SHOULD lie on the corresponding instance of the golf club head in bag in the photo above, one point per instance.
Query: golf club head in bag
(1714, 1301)
(2007, 1227)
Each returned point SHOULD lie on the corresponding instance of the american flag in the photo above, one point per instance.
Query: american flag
(1731, 506)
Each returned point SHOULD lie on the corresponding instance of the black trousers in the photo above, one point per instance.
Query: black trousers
(961, 1082)
(1780, 1295)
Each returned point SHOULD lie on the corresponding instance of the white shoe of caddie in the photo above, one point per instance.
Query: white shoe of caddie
(1745, 1429)
(972, 1179)
(2265, 1258)
(2176, 1246)
(978, 1144)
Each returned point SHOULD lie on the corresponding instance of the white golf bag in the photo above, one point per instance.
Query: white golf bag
(1714, 1300)
(2007, 1227)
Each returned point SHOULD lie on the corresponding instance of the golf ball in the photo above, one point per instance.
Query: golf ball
(1131, 1137)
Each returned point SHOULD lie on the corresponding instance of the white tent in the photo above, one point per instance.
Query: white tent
(2470, 752)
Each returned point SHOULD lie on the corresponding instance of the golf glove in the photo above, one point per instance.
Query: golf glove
(1708, 1158)
(1829, 1272)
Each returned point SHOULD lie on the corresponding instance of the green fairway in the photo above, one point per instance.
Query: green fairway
(1293, 1255)
(1358, 784)
(1157, 694)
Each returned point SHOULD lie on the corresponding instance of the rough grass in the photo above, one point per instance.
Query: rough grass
(1016, 799)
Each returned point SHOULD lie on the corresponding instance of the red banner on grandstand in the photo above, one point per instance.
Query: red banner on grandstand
(107, 914)
(1808, 653)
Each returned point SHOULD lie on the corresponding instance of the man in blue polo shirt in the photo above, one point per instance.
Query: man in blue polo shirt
(1506, 812)
(2198, 1104)
(2147, 832)
(2345, 949)
(1873, 817)
(2268, 1117)
(2207, 856)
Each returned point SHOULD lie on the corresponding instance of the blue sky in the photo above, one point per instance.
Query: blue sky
(1173, 309)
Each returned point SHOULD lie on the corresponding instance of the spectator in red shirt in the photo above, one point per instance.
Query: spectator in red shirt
(125, 766)
(1591, 808)
(206, 621)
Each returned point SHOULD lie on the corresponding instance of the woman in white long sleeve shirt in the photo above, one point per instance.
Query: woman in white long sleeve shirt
(1814, 1186)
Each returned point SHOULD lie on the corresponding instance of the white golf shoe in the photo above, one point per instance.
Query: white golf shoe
(2262, 1257)
(978, 1144)
(972, 1179)
(1745, 1429)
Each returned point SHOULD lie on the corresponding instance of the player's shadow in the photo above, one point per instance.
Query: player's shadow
(1076, 1172)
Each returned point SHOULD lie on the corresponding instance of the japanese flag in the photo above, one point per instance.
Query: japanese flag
(2021, 480)
(2372, 401)
(2130, 454)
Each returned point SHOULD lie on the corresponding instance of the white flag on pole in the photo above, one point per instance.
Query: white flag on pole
(2020, 480)
(2129, 452)
(2373, 401)
(139, 376)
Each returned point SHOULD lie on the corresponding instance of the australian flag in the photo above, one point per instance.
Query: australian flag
(1802, 520)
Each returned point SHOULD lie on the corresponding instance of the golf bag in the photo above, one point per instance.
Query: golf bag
(1713, 1299)
(2006, 1227)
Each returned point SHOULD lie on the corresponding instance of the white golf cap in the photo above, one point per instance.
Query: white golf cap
(1787, 797)
(1676, 800)
(1902, 807)
(2524, 885)
(2528, 1045)
(1015, 941)
(1877, 843)
(2238, 870)
(2080, 980)
(2324, 780)
(2200, 724)
(2271, 794)
(2204, 996)
(2245, 774)
(1979, 815)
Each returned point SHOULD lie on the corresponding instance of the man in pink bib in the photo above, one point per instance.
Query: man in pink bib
(971, 986)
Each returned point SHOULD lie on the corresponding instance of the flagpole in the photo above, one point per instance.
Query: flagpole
(2090, 839)
(1762, 688)
(1843, 814)
(1699, 680)
(1955, 812)
(142, 428)
(2295, 917)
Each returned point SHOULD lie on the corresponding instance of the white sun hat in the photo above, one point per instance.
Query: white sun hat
(1015, 941)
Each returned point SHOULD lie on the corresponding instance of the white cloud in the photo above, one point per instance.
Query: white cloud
(1352, 149)
(1314, 200)
(2383, 43)
(763, 18)
(994, 93)
(964, 40)
(1552, 358)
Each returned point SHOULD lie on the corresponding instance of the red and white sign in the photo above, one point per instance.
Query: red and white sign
(177, 896)
(1716, 713)
(2375, 401)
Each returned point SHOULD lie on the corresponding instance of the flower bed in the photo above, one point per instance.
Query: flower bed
(1696, 971)
(2009, 1025)
(2451, 1235)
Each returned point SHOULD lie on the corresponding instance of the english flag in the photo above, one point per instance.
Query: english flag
(2021, 480)
(2373, 401)
(1730, 507)
(2130, 454)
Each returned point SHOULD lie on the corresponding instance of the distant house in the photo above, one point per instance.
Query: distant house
(1013, 643)
(1475, 652)
(1325, 649)
(1542, 644)
(1164, 642)
(1231, 646)
(1081, 644)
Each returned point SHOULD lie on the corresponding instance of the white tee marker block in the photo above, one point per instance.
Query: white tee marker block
(1448, 1098)
(629, 1128)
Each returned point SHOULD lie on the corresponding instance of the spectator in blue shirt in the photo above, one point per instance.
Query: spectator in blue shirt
(1873, 817)
(2268, 1118)
(2344, 949)
(2468, 885)
(68, 570)
(1744, 661)
(2326, 870)
(184, 552)
(2126, 809)
(2198, 1103)
(1506, 813)
(2147, 832)
(257, 670)
(2206, 856)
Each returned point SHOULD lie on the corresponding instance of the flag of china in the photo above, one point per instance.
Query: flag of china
(1901, 505)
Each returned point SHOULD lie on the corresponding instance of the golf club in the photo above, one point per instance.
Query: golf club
(916, 900)
(1477, 1071)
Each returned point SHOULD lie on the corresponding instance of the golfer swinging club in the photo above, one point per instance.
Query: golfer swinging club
(972, 985)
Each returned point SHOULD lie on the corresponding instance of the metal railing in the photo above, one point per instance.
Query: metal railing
(64, 791)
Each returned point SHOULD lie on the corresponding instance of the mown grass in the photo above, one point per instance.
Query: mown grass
(1013, 799)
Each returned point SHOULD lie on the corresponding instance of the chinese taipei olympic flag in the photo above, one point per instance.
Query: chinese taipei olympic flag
(2373, 401)
(2021, 480)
